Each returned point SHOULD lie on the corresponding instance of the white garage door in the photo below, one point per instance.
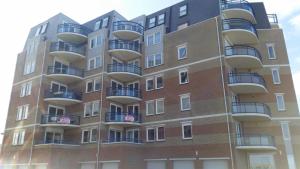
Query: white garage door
(156, 165)
(88, 166)
(40, 167)
(110, 166)
(182, 164)
(215, 164)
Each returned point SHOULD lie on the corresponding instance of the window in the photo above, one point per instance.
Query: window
(183, 76)
(26, 89)
(187, 130)
(150, 107)
(158, 59)
(258, 161)
(91, 109)
(181, 52)
(37, 33)
(150, 134)
(276, 76)
(157, 38)
(285, 130)
(97, 25)
(92, 43)
(154, 60)
(160, 131)
(89, 135)
(22, 112)
(185, 102)
(182, 26)
(159, 82)
(30, 60)
(161, 19)
(105, 22)
(93, 85)
(150, 40)
(280, 102)
(18, 137)
(183, 10)
(152, 22)
(94, 63)
(149, 84)
(95, 41)
(160, 106)
(41, 29)
(271, 51)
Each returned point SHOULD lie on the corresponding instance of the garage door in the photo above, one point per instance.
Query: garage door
(215, 164)
(182, 164)
(156, 165)
(40, 167)
(110, 165)
(88, 166)
(22, 167)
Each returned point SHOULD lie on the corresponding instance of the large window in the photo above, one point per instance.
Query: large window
(95, 41)
(276, 76)
(26, 89)
(91, 108)
(154, 39)
(93, 85)
(94, 63)
(185, 103)
(89, 135)
(18, 137)
(156, 133)
(22, 112)
(280, 101)
(155, 106)
(155, 82)
(183, 10)
(154, 60)
(151, 22)
(161, 19)
(187, 130)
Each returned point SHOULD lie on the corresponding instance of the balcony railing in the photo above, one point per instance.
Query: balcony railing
(57, 142)
(66, 71)
(232, 4)
(236, 23)
(124, 91)
(273, 18)
(255, 140)
(123, 140)
(128, 68)
(122, 117)
(255, 78)
(60, 120)
(73, 28)
(63, 94)
(128, 26)
(125, 44)
(242, 108)
(242, 50)
(67, 47)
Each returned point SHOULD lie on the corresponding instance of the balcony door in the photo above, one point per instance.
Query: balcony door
(134, 111)
(57, 88)
(115, 135)
(115, 112)
(60, 67)
(117, 88)
(132, 89)
(132, 135)
(54, 113)
(53, 137)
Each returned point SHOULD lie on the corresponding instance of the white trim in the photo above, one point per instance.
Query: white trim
(148, 79)
(182, 159)
(182, 130)
(276, 69)
(185, 96)
(272, 45)
(283, 102)
(155, 83)
(147, 138)
(179, 47)
(160, 159)
(147, 107)
(156, 107)
(215, 158)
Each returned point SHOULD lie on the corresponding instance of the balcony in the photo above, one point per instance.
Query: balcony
(127, 30)
(65, 74)
(238, 9)
(125, 50)
(239, 31)
(273, 20)
(56, 143)
(123, 95)
(74, 33)
(251, 111)
(256, 143)
(246, 83)
(64, 98)
(60, 121)
(122, 141)
(123, 119)
(124, 72)
(67, 51)
(243, 57)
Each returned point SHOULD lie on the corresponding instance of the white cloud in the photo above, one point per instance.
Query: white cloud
(295, 22)
(296, 79)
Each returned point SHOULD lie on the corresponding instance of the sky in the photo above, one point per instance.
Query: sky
(18, 17)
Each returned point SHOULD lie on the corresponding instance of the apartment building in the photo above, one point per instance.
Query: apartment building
(202, 84)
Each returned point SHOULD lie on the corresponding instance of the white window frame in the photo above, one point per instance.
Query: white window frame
(97, 25)
(89, 130)
(182, 130)
(105, 22)
(183, 96)
(82, 136)
(147, 107)
(277, 95)
(183, 71)
(26, 89)
(278, 76)
(154, 85)
(179, 47)
(150, 23)
(157, 76)
(161, 19)
(44, 28)
(285, 130)
(92, 104)
(18, 137)
(272, 45)
(91, 133)
(157, 139)
(157, 35)
(148, 41)
(93, 81)
(22, 112)
(147, 130)
(163, 105)
(154, 60)
(96, 41)
(183, 10)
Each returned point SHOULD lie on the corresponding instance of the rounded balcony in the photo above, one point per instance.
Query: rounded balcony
(243, 57)
(122, 119)
(74, 33)
(65, 74)
(246, 83)
(67, 51)
(48, 120)
(64, 98)
(123, 95)
(58, 143)
(124, 72)
(124, 49)
(255, 143)
(239, 31)
(127, 30)
(251, 112)
(238, 9)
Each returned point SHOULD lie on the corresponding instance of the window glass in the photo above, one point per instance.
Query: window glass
(187, 131)
(150, 40)
(184, 77)
(89, 86)
(152, 22)
(182, 52)
(157, 37)
(160, 133)
(159, 82)
(276, 76)
(150, 108)
(97, 25)
(150, 61)
(105, 22)
(151, 134)
(161, 19)
(150, 84)
(160, 106)
(185, 102)
(86, 135)
(158, 59)
(93, 135)
(183, 10)
(280, 102)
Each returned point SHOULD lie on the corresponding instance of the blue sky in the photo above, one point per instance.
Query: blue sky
(18, 17)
